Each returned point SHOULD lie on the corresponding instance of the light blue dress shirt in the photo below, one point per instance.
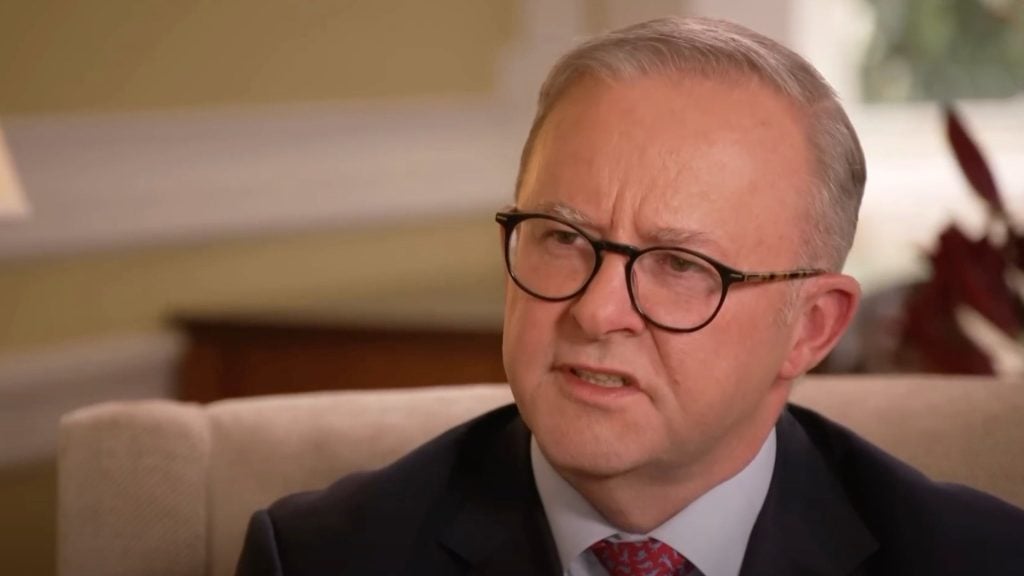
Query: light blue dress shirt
(712, 532)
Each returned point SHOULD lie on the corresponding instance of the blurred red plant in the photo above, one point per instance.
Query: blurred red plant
(978, 274)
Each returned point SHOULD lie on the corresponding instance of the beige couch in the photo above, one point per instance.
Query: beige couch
(160, 487)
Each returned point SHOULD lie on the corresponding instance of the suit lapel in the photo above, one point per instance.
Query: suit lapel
(499, 526)
(807, 525)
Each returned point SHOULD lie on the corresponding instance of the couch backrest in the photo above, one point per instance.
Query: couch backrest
(965, 429)
(264, 448)
(162, 487)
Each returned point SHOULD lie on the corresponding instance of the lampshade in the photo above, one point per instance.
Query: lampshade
(12, 197)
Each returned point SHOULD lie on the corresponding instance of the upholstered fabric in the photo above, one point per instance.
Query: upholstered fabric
(966, 430)
(161, 487)
(131, 486)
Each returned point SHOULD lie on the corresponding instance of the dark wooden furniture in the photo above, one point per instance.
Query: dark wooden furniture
(245, 355)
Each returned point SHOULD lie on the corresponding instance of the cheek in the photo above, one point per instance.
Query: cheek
(527, 340)
(751, 323)
(696, 369)
(734, 360)
(711, 392)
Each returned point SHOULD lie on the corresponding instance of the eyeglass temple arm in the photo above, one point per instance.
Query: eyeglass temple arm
(775, 276)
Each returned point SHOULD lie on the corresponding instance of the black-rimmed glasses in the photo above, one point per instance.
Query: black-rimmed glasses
(673, 288)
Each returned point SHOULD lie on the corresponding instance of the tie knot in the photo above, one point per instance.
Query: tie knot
(648, 557)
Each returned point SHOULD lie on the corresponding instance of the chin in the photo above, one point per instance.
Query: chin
(595, 468)
(593, 465)
(579, 449)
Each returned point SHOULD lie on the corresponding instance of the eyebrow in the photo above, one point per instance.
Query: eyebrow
(565, 212)
(676, 237)
(662, 236)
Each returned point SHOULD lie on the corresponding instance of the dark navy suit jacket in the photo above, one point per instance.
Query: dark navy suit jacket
(465, 503)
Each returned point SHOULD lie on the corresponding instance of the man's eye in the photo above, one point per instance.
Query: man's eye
(682, 264)
(557, 236)
(677, 264)
(564, 236)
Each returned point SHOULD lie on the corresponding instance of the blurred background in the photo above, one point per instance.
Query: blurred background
(201, 200)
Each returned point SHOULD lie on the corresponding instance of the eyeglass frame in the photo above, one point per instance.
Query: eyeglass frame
(729, 275)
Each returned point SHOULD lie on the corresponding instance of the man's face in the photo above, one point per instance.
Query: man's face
(717, 166)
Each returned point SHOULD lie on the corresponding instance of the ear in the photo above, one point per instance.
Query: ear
(825, 309)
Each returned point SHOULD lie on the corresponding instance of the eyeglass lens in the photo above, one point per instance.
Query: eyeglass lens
(670, 287)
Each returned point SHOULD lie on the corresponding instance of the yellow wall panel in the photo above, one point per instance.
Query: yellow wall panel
(64, 55)
(333, 273)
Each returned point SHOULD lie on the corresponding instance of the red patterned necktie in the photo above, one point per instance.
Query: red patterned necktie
(648, 557)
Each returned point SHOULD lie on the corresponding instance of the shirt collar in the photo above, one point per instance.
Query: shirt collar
(712, 532)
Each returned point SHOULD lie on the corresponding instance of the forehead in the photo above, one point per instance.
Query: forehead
(711, 157)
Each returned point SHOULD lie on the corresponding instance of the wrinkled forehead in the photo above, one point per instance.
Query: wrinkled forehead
(734, 74)
(634, 111)
(672, 152)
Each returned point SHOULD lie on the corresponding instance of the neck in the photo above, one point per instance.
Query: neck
(641, 500)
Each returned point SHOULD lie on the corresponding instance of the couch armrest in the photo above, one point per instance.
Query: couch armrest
(132, 490)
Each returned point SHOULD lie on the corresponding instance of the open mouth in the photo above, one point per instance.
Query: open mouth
(599, 378)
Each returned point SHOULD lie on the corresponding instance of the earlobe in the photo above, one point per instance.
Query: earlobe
(827, 308)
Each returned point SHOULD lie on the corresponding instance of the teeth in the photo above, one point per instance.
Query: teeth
(599, 379)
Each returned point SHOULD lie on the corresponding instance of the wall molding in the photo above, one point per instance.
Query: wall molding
(136, 179)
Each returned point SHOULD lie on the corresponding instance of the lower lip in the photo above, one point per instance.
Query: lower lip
(589, 392)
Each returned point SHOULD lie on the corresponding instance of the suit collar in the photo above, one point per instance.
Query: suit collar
(499, 525)
(807, 525)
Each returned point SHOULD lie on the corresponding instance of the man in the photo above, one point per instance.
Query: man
(686, 199)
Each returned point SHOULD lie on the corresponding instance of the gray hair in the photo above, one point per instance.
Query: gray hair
(719, 49)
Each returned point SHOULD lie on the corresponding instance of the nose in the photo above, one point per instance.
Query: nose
(604, 307)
